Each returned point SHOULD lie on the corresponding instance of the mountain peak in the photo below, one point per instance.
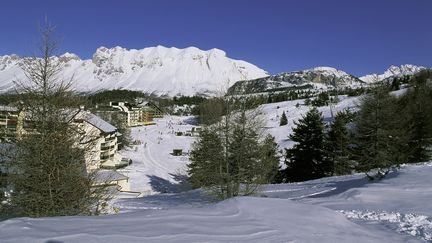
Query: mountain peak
(332, 69)
(393, 71)
(329, 71)
(157, 70)
(66, 57)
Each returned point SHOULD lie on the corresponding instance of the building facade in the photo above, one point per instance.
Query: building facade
(102, 140)
(141, 114)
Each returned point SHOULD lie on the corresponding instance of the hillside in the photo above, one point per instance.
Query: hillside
(316, 78)
(319, 78)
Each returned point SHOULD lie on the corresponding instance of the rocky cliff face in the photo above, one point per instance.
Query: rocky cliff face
(320, 77)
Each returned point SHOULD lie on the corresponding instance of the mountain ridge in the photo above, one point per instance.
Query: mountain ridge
(155, 70)
(171, 71)
(392, 71)
(318, 78)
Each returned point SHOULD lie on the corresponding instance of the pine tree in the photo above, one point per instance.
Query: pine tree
(269, 158)
(283, 119)
(207, 168)
(336, 145)
(416, 105)
(244, 159)
(306, 160)
(380, 143)
(228, 159)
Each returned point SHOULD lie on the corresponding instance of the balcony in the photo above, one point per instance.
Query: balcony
(110, 138)
(106, 147)
(105, 156)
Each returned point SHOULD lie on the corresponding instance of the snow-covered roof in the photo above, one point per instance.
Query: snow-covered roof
(98, 122)
(109, 175)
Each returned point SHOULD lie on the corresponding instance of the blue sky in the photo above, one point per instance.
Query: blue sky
(357, 36)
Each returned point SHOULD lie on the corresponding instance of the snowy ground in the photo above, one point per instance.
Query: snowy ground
(154, 168)
(334, 209)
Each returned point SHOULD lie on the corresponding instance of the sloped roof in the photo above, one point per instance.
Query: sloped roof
(109, 175)
(96, 121)
(100, 123)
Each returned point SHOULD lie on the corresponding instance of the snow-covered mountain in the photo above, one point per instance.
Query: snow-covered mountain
(393, 71)
(319, 77)
(157, 70)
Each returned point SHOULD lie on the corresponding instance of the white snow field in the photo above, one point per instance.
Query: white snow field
(333, 209)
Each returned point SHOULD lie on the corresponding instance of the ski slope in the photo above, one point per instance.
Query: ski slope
(154, 168)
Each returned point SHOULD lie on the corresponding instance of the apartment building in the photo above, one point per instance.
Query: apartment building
(102, 137)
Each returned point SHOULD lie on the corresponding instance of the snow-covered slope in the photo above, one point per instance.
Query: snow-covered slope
(393, 71)
(236, 220)
(318, 78)
(273, 111)
(333, 209)
(157, 70)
